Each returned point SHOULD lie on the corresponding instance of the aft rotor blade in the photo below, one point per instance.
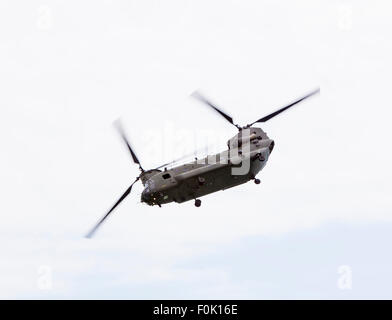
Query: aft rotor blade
(174, 161)
(125, 139)
(204, 100)
(126, 193)
(184, 157)
(273, 114)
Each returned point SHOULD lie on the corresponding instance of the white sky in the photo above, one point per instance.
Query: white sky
(68, 69)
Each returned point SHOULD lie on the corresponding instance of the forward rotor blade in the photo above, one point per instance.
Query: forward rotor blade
(273, 114)
(204, 100)
(126, 193)
(120, 129)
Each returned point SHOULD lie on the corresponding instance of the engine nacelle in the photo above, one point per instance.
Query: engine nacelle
(246, 136)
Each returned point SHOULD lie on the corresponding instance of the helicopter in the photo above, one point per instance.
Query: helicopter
(246, 155)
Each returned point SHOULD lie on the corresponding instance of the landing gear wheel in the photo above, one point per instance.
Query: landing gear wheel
(197, 203)
(257, 181)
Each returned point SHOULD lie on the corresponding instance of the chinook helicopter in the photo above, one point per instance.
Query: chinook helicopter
(247, 154)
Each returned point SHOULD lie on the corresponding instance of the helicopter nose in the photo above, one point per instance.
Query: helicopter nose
(151, 197)
(146, 196)
(271, 146)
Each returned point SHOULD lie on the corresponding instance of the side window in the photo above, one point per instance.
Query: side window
(166, 176)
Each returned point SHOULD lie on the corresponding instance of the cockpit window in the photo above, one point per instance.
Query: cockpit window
(166, 176)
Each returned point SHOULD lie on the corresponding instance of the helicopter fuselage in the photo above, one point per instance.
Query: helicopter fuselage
(246, 156)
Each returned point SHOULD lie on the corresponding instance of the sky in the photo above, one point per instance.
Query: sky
(317, 227)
